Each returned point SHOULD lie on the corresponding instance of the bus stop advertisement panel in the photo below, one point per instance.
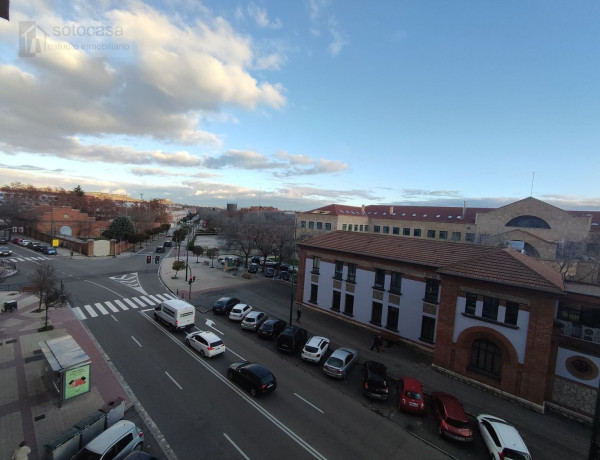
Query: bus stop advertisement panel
(67, 367)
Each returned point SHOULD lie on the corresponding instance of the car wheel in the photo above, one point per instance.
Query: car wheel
(155, 316)
(253, 392)
(138, 447)
(202, 353)
(230, 374)
(440, 430)
(187, 342)
(171, 328)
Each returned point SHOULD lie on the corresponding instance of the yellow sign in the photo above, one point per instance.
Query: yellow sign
(55, 243)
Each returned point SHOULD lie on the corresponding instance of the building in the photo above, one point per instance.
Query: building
(489, 315)
(530, 225)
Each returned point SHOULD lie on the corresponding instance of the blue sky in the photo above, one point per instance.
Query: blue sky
(299, 104)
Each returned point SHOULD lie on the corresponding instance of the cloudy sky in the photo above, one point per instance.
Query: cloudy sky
(298, 104)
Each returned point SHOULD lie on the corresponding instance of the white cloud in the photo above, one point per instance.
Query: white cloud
(261, 17)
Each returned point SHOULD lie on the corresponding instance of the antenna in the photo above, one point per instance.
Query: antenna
(532, 179)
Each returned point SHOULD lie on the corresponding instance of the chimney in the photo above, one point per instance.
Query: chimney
(464, 208)
(391, 210)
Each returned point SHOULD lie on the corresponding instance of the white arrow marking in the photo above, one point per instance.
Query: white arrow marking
(210, 323)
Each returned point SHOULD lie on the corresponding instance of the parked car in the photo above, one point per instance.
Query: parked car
(33, 245)
(160, 249)
(37, 246)
(114, 443)
(3, 241)
(239, 311)
(255, 260)
(24, 243)
(5, 252)
(253, 268)
(315, 349)
(285, 268)
(206, 343)
(410, 396)
(16, 240)
(49, 250)
(291, 339)
(451, 418)
(252, 377)
(271, 328)
(224, 305)
(285, 276)
(253, 320)
(269, 272)
(340, 362)
(502, 439)
(375, 377)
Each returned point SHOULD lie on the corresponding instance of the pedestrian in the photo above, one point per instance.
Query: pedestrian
(298, 314)
(22, 452)
(374, 344)
(377, 343)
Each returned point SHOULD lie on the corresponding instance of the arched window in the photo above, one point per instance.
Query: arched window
(528, 222)
(486, 358)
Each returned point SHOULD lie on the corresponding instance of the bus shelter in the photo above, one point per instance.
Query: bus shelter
(66, 367)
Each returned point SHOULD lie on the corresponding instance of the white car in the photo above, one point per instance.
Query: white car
(239, 312)
(206, 343)
(502, 440)
(315, 349)
(24, 242)
(253, 320)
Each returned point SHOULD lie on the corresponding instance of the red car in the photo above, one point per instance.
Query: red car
(451, 418)
(411, 397)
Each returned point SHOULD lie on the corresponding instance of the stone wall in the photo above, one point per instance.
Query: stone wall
(574, 396)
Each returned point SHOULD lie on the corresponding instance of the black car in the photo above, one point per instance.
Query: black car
(224, 305)
(253, 268)
(375, 380)
(34, 245)
(292, 339)
(160, 249)
(271, 328)
(168, 244)
(253, 377)
(3, 241)
(255, 260)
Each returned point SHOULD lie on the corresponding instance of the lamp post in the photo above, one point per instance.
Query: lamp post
(292, 294)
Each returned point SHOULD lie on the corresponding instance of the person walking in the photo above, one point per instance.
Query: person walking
(22, 452)
(298, 314)
(377, 343)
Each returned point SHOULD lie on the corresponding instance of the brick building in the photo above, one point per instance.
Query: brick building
(492, 316)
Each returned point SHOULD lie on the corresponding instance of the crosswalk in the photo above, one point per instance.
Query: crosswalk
(109, 307)
(26, 259)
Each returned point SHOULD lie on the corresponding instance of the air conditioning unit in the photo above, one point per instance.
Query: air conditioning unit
(590, 334)
(567, 326)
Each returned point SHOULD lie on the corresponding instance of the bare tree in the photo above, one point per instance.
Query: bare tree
(47, 288)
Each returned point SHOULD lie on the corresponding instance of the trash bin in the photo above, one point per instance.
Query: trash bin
(10, 305)
(114, 410)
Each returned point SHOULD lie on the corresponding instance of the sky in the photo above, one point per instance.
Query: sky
(298, 104)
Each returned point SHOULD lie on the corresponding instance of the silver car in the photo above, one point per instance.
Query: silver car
(115, 443)
(340, 362)
(253, 320)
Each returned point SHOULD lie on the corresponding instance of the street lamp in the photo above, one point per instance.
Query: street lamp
(292, 294)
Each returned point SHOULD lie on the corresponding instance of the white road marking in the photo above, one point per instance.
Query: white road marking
(101, 308)
(210, 323)
(308, 402)
(146, 299)
(236, 447)
(139, 344)
(103, 287)
(111, 306)
(121, 304)
(174, 381)
(162, 296)
(130, 303)
(142, 304)
(90, 310)
(78, 313)
(170, 296)
(113, 317)
(157, 300)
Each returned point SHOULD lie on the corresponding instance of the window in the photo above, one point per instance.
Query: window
(471, 304)
(302, 224)
(396, 230)
(470, 237)
(379, 278)
(376, 229)
(366, 228)
(336, 301)
(430, 233)
(311, 225)
(528, 222)
(392, 318)
(443, 235)
(361, 228)
(351, 273)
(356, 228)
(314, 292)
(456, 236)
(406, 231)
(427, 329)
(339, 268)
(396, 282)
(316, 263)
(344, 227)
(490, 308)
(571, 313)
(386, 229)
(328, 226)
(486, 358)
(349, 305)
(417, 232)
(512, 313)
(376, 310)
(431, 290)
(319, 225)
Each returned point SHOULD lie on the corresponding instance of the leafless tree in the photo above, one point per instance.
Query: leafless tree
(48, 289)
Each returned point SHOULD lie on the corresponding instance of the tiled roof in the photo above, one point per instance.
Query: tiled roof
(425, 213)
(500, 265)
(338, 210)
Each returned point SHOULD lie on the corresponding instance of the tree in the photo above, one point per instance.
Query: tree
(211, 254)
(78, 191)
(46, 287)
(178, 265)
(198, 251)
(119, 228)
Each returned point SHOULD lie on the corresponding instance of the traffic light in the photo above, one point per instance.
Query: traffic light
(156, 259)
(148, 259)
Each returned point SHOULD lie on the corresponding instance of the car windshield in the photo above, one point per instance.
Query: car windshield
(310, 349)
(249, 319)
(514, 455)
(85, 454)
(266, 327)
(413, 395)
(335, 362)
(457, 423)
(216, 343)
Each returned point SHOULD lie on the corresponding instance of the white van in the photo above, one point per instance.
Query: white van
(176, 314)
